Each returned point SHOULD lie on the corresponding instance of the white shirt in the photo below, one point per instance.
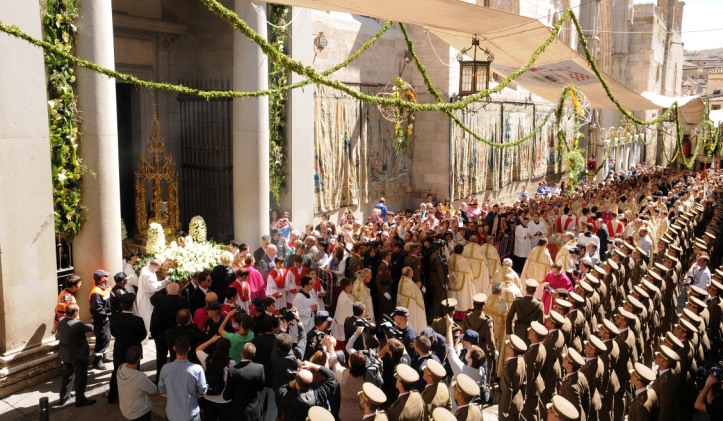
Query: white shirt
(303, 306)
(534, 228)
(522, 243)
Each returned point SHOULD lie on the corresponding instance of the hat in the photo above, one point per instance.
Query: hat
(718, 272)
(668, 353)
(715, 284)
(531, 283)
(99, 274)
(128, 297)
(698, 292)
(628, 246)
(610, 327)
(322, 315)
(686, 325)
(619, 253)
(400, 311)
(564, 410)
(641, 251)
(213, 305)
(435, 369)
(660, 266)
(643, 372)
(383, 252)
(709, 235)
(406, 374)
(625, 314)
(466, 385)
(556, 317)
(398, 243)
(641, 292)
(596, 343)
(575, 358)
(371, 393)
(562, 292)
(317, 413)
(563, 303)
(676, 248)
(119, 277)
(635, 302)
(613, 264)
(442, 414)
(479, 298)
(586, 286)
(576, 298)
(672, 340)
(449, 303)
(687, 314)
(471, 336)
(696, 302)
(538, 328)
(516, 343)
(665, 239)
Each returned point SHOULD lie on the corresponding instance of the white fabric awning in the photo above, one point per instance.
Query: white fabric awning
(512, 39)
(691, 109)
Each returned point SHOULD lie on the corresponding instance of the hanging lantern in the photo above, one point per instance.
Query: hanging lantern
(474, 75)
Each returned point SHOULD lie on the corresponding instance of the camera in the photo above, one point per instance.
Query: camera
(315, 340)
(706, 370)
(389, 329)
(287, 314)
(363, 323)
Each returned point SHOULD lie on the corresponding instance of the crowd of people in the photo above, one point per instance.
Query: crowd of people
(607, 307)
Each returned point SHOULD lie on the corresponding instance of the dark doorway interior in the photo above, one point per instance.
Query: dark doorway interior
(124, 102)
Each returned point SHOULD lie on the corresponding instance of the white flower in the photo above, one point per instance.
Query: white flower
(124, 232)
(197, 229)
(156, 241)
(62, 177)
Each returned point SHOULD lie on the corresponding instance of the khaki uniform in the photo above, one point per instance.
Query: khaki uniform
(416, 265)
(644, 407)
(484, 326)
(408, 407)
(575, 389)
(666, 389)
(436, 396)
(551, 371)
(594, 372)
(526, 309)
(611, 385)
(512, 383)
(534, 359)
(471, 412)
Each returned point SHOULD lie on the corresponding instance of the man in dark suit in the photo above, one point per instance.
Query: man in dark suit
(265, 343)
(297, 396)
(74, 351)
(322, 320)
(185, 327)
(128, 331)
(358, 313)
(189, 289)
(198, 299)
(166, 304)
(245, 382)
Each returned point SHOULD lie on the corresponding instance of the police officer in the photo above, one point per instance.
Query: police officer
(117, 291)
(100, 311)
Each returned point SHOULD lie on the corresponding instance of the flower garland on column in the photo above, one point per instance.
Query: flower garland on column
(64, 124)
(278, 77)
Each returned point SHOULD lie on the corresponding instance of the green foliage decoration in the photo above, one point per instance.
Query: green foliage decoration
(67, 167)
(278, 77)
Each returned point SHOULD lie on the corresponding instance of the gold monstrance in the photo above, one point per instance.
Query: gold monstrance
(156, 186)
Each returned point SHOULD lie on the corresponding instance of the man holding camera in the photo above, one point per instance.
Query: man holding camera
(710, 399)
(357, 319)
(317, 334)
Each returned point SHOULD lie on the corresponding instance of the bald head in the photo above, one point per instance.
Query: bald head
(304, 379)
(211, 297)
(172, 288)
(249, 351)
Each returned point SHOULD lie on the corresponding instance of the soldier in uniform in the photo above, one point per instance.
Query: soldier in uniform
(371, 399)
(554, 344)
(607, 331)
(100, 310)
(595, 373)
(524, 311)
(666, 384)
(396, 265)
(715, 332)
(413, 261)
(477, 320)
(560, 409)
(317, 413)
(513, 380)
(644, 406)
(574, 386)
(465, 389)
(409, 406)
(67, 296)
(439, 324)
(534, 360)
(580, 329)
(435, 393)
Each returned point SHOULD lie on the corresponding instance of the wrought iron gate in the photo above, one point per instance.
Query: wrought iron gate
(207, 160)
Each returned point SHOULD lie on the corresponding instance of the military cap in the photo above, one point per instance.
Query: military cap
(371, 393)
(613, 264)
(710, 235)
(435, 369)
(675, 227)
(564, 410)
(668, 353)
(676, 248)
(599, 270)
(589, 277)
(643, 372)
(649, 286)
(383, 252)
(400, 311)
(586, 286)
(576, 298)
(563, 303)
(660, 267)
(610, 327)
(671, 258)
(696, 302)
(466, 385)
(479, 298)
(593, 281)
(442, 414)
(718, 272)
(623, 313)
(449, 303)
(619, 253)
(120, 277)
(635, 303)
(716, 285)
(399, 243)
(128, 297)
(575, 358)
(538, 328)
(637, 289)
(628, 246)
(562, 292)
(641, 251)
(406, 374)
(596, 343)
(687, 314)
(700, 244)
(698, 292)
(684, 324)
(471, 336)
(557, 318)
(531, 283)
(516, 343)
(665, 239)
(673, 340)
(317, 413)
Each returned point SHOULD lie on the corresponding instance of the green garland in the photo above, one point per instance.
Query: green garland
(67, 167)
(277, 102)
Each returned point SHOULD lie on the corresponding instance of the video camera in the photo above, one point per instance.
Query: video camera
(389, 329)
(288, 315)
(706, 370)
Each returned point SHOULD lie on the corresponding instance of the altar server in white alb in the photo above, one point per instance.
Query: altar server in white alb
(305, 305)
(148, 284)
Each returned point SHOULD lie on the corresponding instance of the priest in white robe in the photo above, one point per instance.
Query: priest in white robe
(476, 258)
(360, 290)
(148, 284)
(503, 272)
(410, 296)
(564, 258)
(306, 307)
(491, 256)
(344, 304)
(537, 265)
(461, 283)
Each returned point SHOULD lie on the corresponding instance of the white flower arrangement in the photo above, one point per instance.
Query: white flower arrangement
(124, 232)
(156, 241)
(187, 259)
(197, 229)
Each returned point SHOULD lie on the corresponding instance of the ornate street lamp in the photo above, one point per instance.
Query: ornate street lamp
(474, 75)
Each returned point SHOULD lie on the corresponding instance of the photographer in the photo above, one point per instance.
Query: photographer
(297, 396)
(371, 352)
(285, 356)
(710, 399)
(357, 319)
(317, 334)
(401, 319)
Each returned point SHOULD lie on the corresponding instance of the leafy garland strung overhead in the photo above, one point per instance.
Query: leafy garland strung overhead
(67, 167)
(277, 101)
(277, 56)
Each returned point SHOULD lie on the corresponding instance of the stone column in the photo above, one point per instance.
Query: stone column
(250, 131)
(299, 197)
(98, 245)
(27, 229)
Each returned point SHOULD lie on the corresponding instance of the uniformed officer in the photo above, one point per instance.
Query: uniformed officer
(666, 384)
(67, 296)
(466, 389)
(442, 414)
(607, 331)
(435, 393)
(560, 409)
(317, 413)
(409, 405)
(117, 291)
(554, 344)
(100, 311)
(524, 311)
(644, 406)
(595, 373)
(534, 360)
(439, 324)
(477, 320)
(371, 399)
(514, 379)
(574, 386)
